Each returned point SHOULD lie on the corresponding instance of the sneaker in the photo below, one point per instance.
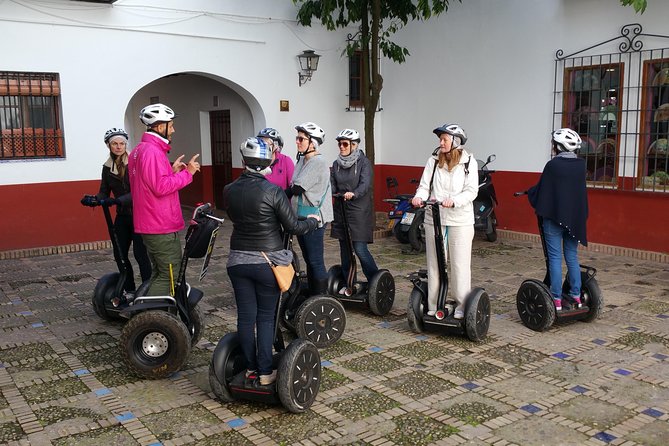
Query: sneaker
(577, 301)
(458, 314)
(431, 313)
(344, 292)
(558, 304)
(251, 374)
(266, 380)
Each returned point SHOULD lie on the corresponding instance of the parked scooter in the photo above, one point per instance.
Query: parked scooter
(484, 205)
(161, 330)
(405, 220)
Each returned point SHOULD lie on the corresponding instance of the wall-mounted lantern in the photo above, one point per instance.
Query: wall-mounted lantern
(308, 64)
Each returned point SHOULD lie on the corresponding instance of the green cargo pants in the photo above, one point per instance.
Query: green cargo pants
(164, 250)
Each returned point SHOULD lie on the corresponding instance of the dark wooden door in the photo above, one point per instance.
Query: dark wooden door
(221, 152)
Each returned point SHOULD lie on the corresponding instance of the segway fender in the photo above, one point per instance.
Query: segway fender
(225, 347)
(132, 310)
(194, 297)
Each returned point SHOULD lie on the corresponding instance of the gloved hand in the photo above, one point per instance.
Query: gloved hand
(90, 200)
(109, 201)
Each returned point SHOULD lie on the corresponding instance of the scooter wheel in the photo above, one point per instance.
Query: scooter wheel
(401, 236)
(227, 361)
(155, 344)
(197, 319)
(416, 311)
(535, 305)
(102, 296)
(299, 375)
(591, 296)
(417, 232)
(321, 320)
(477, 316)
(335, 279)
(381, 292)
(491, 230)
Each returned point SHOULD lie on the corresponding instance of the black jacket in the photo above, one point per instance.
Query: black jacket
(260, 212)
(360, 210)
(112, 184)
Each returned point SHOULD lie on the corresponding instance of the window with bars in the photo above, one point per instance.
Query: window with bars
(619, 104)
(30, 116)
(355, 81)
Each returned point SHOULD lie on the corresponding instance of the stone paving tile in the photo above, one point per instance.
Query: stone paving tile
(62, 380)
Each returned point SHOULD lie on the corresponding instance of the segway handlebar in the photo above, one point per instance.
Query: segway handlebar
(520, 193)
(204, 210)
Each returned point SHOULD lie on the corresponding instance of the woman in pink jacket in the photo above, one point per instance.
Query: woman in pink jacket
(155, 185)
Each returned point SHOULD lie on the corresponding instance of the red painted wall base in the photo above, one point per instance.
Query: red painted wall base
(50, 214)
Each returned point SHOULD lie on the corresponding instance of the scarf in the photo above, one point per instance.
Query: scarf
(117, 164)
(567, 155)
(346, 162)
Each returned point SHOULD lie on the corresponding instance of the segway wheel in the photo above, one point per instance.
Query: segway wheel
(197, 318)
(155, 344)
(591, 296)
(299, 375)
(417, 232)
(477, 316)
(229, 361)
(415, 311)
(335, 279)
(535, 305)
(102, 296)
(381, 292)
(321, 319)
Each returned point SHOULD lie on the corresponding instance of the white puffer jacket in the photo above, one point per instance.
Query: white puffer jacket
(460, 187)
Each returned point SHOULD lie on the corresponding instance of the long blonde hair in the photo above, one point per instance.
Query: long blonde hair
(456, 154)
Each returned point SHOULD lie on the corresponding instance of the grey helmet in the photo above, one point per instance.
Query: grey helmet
(256, 154)
(567, 138)
(270, 133)
(457, 132)
(109, 134)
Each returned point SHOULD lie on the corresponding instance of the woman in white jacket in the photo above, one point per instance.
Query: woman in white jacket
(451, 177)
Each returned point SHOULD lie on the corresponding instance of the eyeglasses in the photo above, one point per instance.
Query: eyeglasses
(343, 144)
(301, 138)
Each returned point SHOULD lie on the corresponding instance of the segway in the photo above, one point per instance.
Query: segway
(320, 319)
(379, 293)
(298, 372)
(477, 307)
(535, 302)
(159, 334)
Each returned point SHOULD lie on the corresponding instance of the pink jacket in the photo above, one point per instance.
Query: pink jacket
(155, 188)
(282, 172)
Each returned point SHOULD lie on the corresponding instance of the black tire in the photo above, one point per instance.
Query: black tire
(535, 305)
(401, 236)
(198, 320)
(155, 344)
(299, 376)
(321, 320)
(232, 362)
(381, 292)
(416, 311)
(335, 279)
(491, 230)
(417, 232)
(477, 315)
(591, 296)
(102, 296)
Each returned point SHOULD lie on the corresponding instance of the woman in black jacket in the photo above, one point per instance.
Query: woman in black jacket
(260, 212)
(115, 182)
(352, 176)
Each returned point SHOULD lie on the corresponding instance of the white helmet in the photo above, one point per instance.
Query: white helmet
(270, 133)
(154, 113)
(109, 134)
(457, 132)
(350, 134)
(256, 154)
(313, 130)
(567, 138)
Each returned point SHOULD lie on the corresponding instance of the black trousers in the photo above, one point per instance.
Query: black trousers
(126, 236)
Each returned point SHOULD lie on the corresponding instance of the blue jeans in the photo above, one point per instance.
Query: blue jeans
(256, 294)
(311, 245)
(557, 238)
(367, 262)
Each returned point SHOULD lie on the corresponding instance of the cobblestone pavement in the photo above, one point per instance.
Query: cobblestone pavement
(62, 381)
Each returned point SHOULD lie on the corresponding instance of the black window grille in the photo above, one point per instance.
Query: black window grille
(30, 116)
(619, 103)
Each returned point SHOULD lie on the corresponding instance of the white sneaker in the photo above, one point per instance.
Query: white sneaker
(266, 380)
(431, 313)
(458, 314)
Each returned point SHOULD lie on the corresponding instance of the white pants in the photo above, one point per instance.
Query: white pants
(458, 249)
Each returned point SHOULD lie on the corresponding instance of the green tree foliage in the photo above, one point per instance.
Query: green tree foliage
(378, 21)
(638, 5)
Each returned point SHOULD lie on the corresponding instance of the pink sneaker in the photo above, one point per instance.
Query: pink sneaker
(558, 304)
(577, 301)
